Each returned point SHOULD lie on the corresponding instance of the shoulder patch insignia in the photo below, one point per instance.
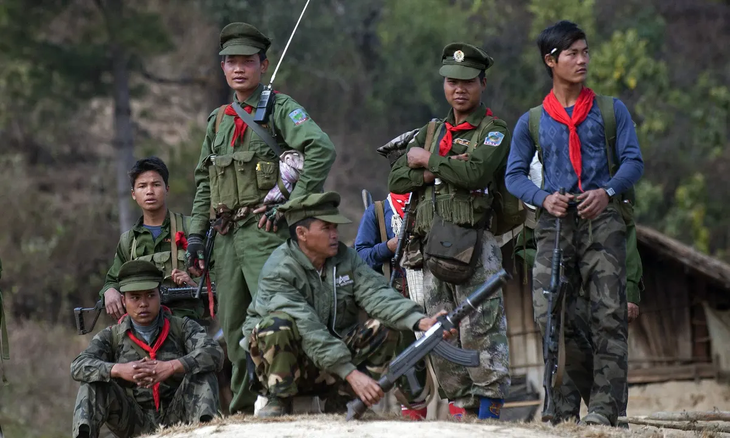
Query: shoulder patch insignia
(298, 116)
(494, 138)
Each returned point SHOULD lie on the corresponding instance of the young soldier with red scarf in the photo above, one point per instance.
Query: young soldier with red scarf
(149, 369)
(463, 197)
(593, 234)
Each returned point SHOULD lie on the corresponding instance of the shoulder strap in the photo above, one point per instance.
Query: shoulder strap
(173, 231)
(605, 106)
(258, 129)
(219, 116)
(430, 131)
(533, 123)
(379, 208)
(485, 123)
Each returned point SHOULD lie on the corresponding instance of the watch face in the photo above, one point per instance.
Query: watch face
(610, 192)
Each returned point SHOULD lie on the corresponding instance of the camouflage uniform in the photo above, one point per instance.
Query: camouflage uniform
(284, 370)
(485, 331)
(129, 410)
(465, 199)
(596, 327)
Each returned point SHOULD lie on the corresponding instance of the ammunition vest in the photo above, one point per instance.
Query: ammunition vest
(164, 259)
(454, 204)
(241, 178)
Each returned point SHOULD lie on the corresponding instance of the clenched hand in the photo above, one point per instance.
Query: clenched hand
(592, 203)
(113, 303)
(557, 204)
(365, 387)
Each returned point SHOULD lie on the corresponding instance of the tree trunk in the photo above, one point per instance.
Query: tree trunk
(123, 130)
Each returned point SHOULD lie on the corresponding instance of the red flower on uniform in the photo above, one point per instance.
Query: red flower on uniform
(181, 240)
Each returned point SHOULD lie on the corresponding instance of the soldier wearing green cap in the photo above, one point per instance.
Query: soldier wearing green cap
(149, 369)
(236, 171)
(454, 167)
(302, 329)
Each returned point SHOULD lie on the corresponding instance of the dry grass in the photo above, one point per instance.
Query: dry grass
(38, 400)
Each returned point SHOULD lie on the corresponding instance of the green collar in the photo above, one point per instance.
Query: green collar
(253, 99)
(474, 118)
(139, 225)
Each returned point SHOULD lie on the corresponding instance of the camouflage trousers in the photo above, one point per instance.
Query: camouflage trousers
(596, 314)
(99, 403)
(284, 370)
(484, 331)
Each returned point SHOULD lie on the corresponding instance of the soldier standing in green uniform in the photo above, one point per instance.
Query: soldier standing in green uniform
(235, 172)
(460, 192)
(150, 369)
(159, 236)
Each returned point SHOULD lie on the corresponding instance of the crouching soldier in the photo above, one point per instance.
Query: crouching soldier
(148, 370)
(302, 332)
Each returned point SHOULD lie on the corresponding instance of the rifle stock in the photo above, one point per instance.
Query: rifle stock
(432, 341)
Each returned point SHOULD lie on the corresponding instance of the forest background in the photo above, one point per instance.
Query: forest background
(88, 86)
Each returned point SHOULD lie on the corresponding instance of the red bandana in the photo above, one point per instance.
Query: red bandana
(153, 354)
(582, 107)
(180, 240)
(448, 140)
(398, 202)
(240, 124)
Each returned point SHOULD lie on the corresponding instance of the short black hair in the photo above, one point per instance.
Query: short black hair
(147, 164)
(556, 38)
(262, 56)
(306, 222)
(482, 75)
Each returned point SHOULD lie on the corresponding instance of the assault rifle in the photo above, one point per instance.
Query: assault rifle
(553, 352)
(167, 295)
(401, 238)
(433, 341)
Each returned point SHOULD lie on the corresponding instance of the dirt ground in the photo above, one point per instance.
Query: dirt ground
(643, 400)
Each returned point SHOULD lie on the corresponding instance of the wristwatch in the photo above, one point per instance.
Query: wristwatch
(610, 192)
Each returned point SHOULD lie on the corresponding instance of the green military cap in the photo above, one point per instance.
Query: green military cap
(138, 275)
(322, 206)
(463, 61)
(242, 39)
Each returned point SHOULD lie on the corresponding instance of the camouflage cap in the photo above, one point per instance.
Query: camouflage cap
(463, 61)
(242, 39)
(322, 206)
(136, 275)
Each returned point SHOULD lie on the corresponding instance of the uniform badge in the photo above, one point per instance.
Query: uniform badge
(494, 138)
(461, 141)
(458, 56)
(298, 116)
(343, 280)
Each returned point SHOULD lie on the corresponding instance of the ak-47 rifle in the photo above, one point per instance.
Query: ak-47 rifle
(553, 351)
(405, 227)
(208, 253)
(168, 295)
(433, 341)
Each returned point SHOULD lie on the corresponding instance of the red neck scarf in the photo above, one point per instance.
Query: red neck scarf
(580, 111)
(398, 202)
(448, 140)
(153, 353)
(240, 124)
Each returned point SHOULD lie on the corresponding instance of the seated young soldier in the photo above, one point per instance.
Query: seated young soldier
(159, 236)
(149, 369)
(302, 332)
